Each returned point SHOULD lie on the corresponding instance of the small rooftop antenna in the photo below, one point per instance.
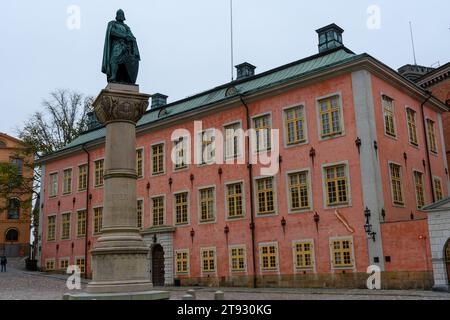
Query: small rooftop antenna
(232, 40)
(412, 41)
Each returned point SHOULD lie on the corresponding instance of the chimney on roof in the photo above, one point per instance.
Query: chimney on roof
(413, 72)
(158, 100)
(245, 70)
(92, 121)
(330, 37)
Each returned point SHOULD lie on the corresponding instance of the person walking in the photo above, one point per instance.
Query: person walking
(3, 262)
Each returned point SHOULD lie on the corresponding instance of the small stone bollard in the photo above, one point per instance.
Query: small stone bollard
(187, 297)
(219, 295)
(192, 293)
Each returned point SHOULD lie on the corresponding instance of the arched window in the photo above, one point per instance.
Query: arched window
(12, 235)
(2, 144)
(13, 208)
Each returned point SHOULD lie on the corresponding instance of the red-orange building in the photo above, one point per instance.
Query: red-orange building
(361, 151)
(15, 214)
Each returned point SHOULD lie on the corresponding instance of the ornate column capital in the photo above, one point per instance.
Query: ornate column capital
(120, 105)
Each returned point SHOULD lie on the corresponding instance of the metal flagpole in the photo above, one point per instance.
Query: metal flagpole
(232, 46)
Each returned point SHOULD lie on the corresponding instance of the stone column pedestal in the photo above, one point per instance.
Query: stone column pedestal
(120, 257)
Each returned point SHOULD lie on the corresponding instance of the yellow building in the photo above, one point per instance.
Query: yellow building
(15, 214)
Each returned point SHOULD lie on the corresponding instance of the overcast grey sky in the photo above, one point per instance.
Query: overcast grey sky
(185, 46)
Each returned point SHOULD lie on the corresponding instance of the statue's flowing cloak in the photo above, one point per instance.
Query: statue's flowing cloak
(106, 68)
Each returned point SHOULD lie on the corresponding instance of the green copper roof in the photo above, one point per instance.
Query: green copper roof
(255, 83)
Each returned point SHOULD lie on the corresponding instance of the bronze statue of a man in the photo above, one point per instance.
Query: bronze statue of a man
(121, 54)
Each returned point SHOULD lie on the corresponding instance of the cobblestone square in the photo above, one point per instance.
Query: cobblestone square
(18, 284)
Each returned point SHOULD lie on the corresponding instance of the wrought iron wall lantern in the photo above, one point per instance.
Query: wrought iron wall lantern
(192, 234)
(368, 226)
(316, 220)
(226, 230)
(358, 143)
(283, 224)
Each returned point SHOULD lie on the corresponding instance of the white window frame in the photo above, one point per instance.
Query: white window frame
(143, 212)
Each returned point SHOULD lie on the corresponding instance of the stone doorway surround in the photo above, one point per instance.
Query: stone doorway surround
(439, 230)
(163, 236)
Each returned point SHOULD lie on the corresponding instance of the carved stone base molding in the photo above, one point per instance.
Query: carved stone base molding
(120, 103)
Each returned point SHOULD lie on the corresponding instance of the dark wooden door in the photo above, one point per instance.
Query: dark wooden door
(158, 266)
(447, 259)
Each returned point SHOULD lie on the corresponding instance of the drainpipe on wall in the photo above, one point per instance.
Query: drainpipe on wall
(426, 142)
(250, 176)
(87, 211)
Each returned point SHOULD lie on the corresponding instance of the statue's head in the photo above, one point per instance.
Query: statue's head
(120, 15)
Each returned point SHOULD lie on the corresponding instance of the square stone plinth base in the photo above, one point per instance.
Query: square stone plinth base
(441, 288)
(148, 295)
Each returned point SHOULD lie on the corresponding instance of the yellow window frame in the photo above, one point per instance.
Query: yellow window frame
(412, 126)
(396, 184)
(389, 116)
(158, 211)
(295, 117)
(336, 183)
(439, 195)
(181, 208)
(327, 108)
(304, 255)
(82, 177)
(235, 200)
(81, 223)
(299, 190)
(206, 203)
(262, 126)
(418, 184)
(51, 228)
(269, 257)
(431, 135)
(98, 173)
(65, 226)
(342, 253)
(139, 211)
(140, 163)
(81, 263)
(265, 195)
(182, 261)
(98, 217)
(208, 257)
(158, 159)
(67, 181)
(238, 257)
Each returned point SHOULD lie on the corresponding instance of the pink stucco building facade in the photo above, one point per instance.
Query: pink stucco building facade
(360, 152)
